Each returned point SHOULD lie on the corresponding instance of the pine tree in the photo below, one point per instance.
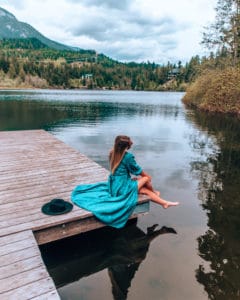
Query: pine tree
(22, 74)
(224, 34)
(12, 72)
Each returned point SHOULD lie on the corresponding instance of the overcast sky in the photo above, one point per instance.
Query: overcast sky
(126, 30)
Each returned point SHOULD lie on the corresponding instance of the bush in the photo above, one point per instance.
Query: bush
(216, 91)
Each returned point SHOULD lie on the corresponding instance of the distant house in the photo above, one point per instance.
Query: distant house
(173, 73)
(87, 76)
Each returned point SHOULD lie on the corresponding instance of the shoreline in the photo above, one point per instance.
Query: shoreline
(212, 112)
(2, 88)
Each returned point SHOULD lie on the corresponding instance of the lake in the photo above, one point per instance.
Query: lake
(187, 252)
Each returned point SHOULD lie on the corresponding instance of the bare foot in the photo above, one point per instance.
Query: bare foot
(169, 204)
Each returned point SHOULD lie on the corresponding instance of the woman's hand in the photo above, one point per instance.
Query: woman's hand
(146, 175)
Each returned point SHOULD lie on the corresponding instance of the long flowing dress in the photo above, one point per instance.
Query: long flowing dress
(112, 201)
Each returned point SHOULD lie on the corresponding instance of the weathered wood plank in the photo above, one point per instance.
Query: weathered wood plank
(48, 164)
(65, 230)
(23, 278)
(16, 237)
(20, 266)
(47, 296)
(26, 219)
(74, 174)
(51, 171)
(46, 221)
(29, 204)
(47, 189)
(71, 161)
(19, 255)
(18, 167)
(34, 290)
(12, 214)
(16, 246)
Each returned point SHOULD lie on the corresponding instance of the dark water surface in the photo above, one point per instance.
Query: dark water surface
(194, 250)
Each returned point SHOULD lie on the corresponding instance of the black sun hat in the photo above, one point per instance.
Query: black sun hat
(57, 207)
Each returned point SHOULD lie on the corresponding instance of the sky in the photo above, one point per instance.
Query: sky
(126, 30)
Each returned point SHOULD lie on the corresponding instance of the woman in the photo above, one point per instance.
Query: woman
(114, 201)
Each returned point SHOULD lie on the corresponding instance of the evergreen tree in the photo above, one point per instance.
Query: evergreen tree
(13, 69)
(192, 69)
(22, 73)
(4, 64)
(224, 34)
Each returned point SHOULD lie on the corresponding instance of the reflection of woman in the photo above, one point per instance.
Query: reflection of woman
(113, 202)
(119, 251)
(130, 255)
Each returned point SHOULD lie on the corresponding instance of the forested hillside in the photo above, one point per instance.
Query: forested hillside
(31, 63)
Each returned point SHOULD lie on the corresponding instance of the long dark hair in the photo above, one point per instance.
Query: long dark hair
(121, 145)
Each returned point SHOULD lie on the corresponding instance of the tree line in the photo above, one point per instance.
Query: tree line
(25, 59)
(217, 85)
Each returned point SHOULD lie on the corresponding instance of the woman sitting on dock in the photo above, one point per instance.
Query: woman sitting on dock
(114, 201)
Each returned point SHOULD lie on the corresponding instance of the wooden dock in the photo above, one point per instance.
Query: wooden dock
(34, 168)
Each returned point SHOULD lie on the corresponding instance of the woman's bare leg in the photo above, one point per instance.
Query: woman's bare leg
(144, 181)
(149, 186)
(154, 197)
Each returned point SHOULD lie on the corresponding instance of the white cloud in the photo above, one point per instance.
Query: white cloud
(136, 30)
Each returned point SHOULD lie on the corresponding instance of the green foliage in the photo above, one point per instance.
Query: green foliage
(192, 69)
(216, 86)
(216, 91)
(21, 58)
(30, 43)
(223, 34)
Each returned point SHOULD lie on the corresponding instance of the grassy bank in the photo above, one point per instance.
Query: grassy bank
(216, 91)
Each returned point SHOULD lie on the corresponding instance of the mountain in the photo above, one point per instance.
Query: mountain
(11, 28)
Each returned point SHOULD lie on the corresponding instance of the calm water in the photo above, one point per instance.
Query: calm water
(193, 252)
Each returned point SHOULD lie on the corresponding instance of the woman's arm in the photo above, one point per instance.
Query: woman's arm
(146, 174)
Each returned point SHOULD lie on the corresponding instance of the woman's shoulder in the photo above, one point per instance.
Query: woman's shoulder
(128, 155)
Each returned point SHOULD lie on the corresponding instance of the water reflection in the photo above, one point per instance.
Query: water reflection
(219, 178)
(120, 251)
(29, 111)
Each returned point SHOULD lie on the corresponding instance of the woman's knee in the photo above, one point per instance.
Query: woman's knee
(142, 181)
(143, 190)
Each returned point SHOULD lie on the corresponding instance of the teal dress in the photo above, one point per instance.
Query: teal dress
(113, 201)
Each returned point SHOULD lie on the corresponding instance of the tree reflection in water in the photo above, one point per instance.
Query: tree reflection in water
(219, 181)
(120, 251)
